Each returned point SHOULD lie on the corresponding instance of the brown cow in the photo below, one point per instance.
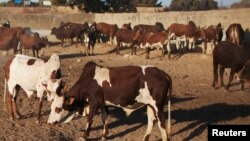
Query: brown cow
(126, 26)
(228, 55)
(235, 34)
(213, 34)
(158, 27)
(34, 42)
(157, 40)
(129, 38)
(127, 87)
(9, 40)
(106, 29)
(190, 33)
(77, 28)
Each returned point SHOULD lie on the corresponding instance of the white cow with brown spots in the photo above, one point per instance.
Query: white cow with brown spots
(31, 74)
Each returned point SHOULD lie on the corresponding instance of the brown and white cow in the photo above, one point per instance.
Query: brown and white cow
(235, 34)
(105, 29)
(128, 38)
(31, 74)
(157, 40)
(128, 87)
(213, 34)
(187, 33)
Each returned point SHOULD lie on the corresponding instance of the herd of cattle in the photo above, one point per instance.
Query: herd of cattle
(128, 87)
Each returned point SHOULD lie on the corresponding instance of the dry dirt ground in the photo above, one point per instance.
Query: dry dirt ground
(195, 103)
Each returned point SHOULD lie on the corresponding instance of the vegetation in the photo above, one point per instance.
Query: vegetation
(193, 5)
(241, 4)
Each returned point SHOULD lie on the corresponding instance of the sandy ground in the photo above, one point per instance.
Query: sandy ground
(195, 103)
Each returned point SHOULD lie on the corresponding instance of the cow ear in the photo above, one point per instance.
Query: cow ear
(69, 101)
(65, 88)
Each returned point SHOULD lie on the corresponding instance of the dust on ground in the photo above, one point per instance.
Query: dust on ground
(195, 103)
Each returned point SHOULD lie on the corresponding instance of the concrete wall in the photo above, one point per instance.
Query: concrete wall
(202, 18)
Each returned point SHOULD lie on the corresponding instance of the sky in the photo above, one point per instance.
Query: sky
(224, 2)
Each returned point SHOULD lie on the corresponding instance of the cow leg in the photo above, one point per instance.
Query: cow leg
(161, 125)
(147, 52)
(39, 107)
(232, 72)
(16, 91)
(242, 85)
(118, 48)
(151, 122)
(222, 70)
(104, 120)
(205, 47)
(10, 98)
(93, 110)
(215, 73)
(92, 49)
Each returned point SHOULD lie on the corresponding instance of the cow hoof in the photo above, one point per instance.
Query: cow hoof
(103, 139)
(37, 122)
(11, 118)
(18, 117)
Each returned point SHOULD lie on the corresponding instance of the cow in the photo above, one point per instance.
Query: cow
(127, 87)
(187, 33)
(235, 34)
(34, 42)
(63, 33)
(126, 26)
(244, 73)
(157, 40)
(31, 74)
(213, 34)
(90, 36)
(107, 30)
(9, 40)
(78, 29)
(228, 55)
(18, 30)
(5, 24)
(129, 38)
(158, 27)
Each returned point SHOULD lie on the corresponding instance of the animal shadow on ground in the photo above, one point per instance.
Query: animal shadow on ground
(67, 56)
(209, 114)
(119, 114)
(53, 44)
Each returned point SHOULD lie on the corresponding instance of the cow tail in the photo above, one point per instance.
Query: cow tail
(169, 95)
(5, 91)
(169, 108)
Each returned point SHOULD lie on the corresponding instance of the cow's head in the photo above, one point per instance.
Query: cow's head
(219, 32)
(244, 73)
(139, 35)
(63, 108)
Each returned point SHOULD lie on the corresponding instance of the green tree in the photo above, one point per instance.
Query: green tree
(149, 3)
(193, 5)
(241, 4)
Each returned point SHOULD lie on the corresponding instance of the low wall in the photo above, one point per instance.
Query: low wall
(47, 20)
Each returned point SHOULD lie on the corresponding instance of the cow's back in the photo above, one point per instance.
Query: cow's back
(235, 33)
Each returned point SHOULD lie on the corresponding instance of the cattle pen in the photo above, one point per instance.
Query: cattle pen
(195, 103)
